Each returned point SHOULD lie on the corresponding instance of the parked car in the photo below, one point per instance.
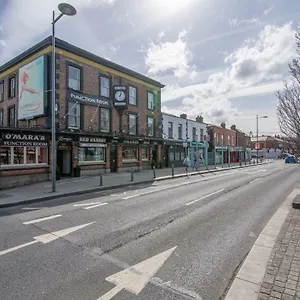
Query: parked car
(283, 155)
(291, 159)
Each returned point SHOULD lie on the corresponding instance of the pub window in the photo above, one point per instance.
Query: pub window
(150, 100)
(170, 130)
(145, 153)
(132, 95)
(74, 115)
(104, 120)
(129, 154)
(1, 91)
(74, 78)
(180, 131)
(150, 125)
(104, 86)
(132, 124)
(15, 156)
(1, 117)
(12, 87)
(91, 154)
(11, 117)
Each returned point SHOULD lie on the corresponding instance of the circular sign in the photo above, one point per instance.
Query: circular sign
(120, 96)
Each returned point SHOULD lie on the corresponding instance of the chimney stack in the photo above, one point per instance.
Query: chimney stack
(183, 116)
(233, 127)
(199, 119)
(223, 125)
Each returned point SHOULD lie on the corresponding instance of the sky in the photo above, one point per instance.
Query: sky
(222, 59)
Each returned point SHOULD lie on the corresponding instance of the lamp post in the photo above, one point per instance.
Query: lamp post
(257, 117)
(68, 10)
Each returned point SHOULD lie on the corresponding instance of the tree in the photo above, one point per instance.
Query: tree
(288, 108)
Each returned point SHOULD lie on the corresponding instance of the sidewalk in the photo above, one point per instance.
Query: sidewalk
(82, 185)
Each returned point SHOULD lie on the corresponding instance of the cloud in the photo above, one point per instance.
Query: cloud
(268, 10)
(236, 22)
(257, 67)
(161, 34)
(31, 20)
(114, 48)
(170, 57)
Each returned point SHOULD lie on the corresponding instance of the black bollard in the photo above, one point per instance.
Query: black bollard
(172, 170)
(131, 174)
(154, 175)
(101, 179)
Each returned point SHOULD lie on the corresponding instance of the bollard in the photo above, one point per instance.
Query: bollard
(131, 174)
(101, 179)
(154, 175)
(172, 170)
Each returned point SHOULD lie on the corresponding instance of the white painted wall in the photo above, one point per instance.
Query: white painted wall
(198, 127)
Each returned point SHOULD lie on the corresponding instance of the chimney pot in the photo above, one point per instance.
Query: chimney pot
(183, 116)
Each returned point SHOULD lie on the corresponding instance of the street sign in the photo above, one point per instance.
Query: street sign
(135, 278)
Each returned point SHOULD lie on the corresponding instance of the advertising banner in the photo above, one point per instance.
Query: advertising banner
(31, 89)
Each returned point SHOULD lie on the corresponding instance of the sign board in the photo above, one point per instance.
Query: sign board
(257, 146)
(91, 139)
(25, 140)
(87, 99)
(120, 97)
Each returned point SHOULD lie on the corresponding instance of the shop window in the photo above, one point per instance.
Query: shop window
(74, 78)
(180, 131)
(132, 128)
(11, 117)
(130, 154)
(150, 125)
(12, 87)
(1, 91)
(6, 156)
(74, 115)
(145, 153)
(104, 86)
(1, 117)
(104, 120)
(92, 154)
(150, 99)
(132, 95)
(30, 155)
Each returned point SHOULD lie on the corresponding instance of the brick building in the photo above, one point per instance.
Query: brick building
(243, 144)
(92, 133)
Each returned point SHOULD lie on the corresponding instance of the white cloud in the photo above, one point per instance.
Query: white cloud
(236, 22)
(257, 67)
(114, 48)
(36, 23)
(161, 34)
(268, 10)
(169, 57)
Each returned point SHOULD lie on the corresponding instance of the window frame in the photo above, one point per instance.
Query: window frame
(8, 116)
(2, 93)
(1, 117)
(153, 126)
(70, 108)
(180, 131)
(109, 85)
(80, 68)
(109, 119)
(170, 130)
(10, 96)
(151, 93)
(194, 134)
(201, 135)
(136, 123)
(136, 93)
(90, 162)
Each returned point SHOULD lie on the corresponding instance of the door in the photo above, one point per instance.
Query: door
(113, 158)
(66, 165)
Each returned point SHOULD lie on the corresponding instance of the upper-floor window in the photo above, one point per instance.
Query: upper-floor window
(104, 86)
(232, 140)
(150, 101)
(1, 91)
(132, 95)
(132, 128)
(150, 125)
(104, 119)
(180, 131)
(74, 115)
(194, 134)
(12, 87)
(1, 117)
(201, 135)
(223, 139)
(74, 78)
(170, 130)
(217, 138)
(11, 118)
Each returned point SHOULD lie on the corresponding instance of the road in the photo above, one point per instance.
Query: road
(185, 237)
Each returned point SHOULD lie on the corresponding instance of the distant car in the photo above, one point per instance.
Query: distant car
(291, 159)
(283, 155)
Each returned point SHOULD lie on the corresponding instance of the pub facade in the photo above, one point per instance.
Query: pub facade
(108, 118)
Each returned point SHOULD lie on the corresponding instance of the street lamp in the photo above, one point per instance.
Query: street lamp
(257, 117)
(68, 10)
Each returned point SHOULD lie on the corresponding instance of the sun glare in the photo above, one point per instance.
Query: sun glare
(170, 6)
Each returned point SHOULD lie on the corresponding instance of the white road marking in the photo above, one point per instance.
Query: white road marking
(259, 171)
(47, 238)
(254, 180)
(32, 208)
(41, 219)
(206, 196)
(17, 247)
(93, 206)
(135, 278)
(86, 204)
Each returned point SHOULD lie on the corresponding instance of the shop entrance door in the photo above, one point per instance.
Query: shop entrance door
(113, 158)
(64, 162)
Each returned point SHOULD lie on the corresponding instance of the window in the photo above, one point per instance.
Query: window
(1, 117)
(104, 86)
(180, 131)
(222, 139)
(2, 91)
(132, 95)
(11, 118)
(92, 154)
(201, 135)
(74, 78)
(194, 134)
(150, 123)
(145, 153)
(232, 140)
(104, 120)
(12, 87)
(130, 154)
(74, 115)
(170, 130)
(23, 155)
(217, 138)
(150, 101)
(132, 128)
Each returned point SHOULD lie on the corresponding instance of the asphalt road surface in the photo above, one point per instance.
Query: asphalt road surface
(178, 239)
